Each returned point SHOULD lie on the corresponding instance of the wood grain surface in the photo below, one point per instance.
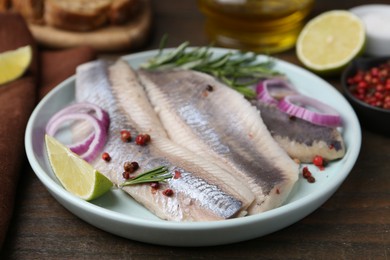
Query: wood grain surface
(352, 224)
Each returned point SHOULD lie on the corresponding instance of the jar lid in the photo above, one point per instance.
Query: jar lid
(376, 19)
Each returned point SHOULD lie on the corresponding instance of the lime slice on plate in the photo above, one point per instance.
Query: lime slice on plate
(14, 63)
(330, 41)
(76, 175)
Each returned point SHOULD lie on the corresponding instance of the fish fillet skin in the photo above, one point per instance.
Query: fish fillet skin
(218, 123)
(198, 194)
(302, 140)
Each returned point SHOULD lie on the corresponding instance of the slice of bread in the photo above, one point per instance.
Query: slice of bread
(128, 36)
(77, 15)
(4, 5)
(121, 11)
(31, 10)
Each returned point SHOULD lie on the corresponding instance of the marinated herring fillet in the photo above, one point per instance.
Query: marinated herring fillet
(302, 140)
(202, 192)
(217, 123)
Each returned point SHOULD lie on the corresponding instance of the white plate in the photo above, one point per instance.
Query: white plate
(119, 214)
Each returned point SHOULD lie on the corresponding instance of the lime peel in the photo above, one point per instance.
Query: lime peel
(75, 174)
(330, 41)
(14, 63)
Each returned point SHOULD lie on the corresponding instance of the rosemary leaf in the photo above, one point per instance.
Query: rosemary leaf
(239, 70)
(158, 174)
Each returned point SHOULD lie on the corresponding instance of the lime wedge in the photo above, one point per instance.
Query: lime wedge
(330, 41)
(14, 63)
(76, 175)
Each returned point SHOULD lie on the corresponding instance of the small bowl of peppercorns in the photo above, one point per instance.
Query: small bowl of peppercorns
(366, 85)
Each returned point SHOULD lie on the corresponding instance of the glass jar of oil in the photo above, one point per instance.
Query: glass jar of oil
(262, 26)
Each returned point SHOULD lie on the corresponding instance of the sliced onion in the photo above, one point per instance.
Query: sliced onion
(82, 107)
(95, 116)
(79, 147)
(99, 134)
(271, 91)
(83, 145)
(301, 107)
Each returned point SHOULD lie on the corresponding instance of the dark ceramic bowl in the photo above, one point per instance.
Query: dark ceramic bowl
(371, 117)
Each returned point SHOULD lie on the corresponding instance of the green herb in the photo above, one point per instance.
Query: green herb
(158, 174)
(239, 70)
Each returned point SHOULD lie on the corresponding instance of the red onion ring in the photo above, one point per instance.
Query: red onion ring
(97, 117)
(82, 107)
(271, 91)
(296, 105)
(79, 147)
(99, 136)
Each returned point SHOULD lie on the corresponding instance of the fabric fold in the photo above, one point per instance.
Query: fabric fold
(18, 99)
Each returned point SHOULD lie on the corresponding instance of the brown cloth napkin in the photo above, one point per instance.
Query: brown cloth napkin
(18, 99)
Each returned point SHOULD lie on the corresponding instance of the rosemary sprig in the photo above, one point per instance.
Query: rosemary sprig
(239, 70)
(158, 174)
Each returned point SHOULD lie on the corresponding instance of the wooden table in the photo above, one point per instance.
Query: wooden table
(352, 224)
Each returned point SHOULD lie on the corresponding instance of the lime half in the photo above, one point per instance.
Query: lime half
(76, 175)
(14, 63)
(330, 41)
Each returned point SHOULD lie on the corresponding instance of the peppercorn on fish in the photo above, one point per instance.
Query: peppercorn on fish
(216, 122)
(198, 191)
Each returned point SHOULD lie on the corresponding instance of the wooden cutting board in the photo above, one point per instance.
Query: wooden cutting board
(107, 39)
